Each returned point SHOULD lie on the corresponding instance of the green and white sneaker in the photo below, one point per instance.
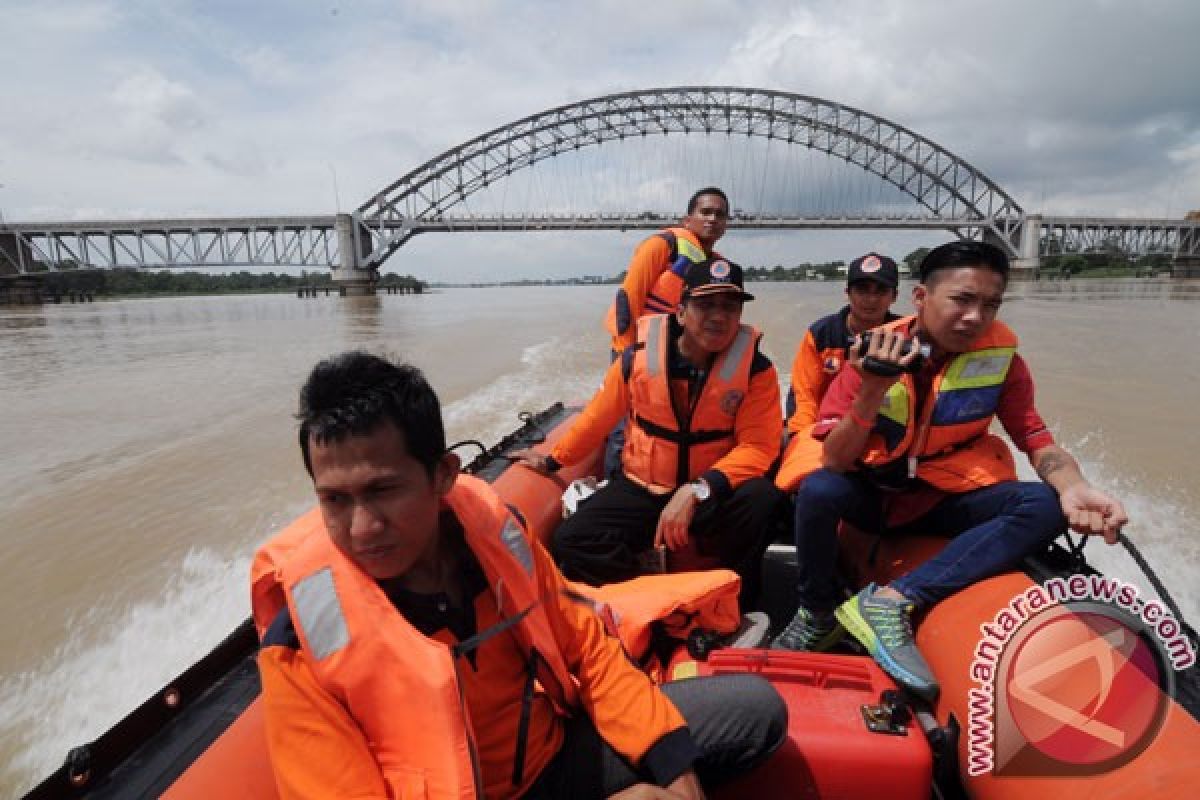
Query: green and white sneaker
(809, 631)
(884, 627)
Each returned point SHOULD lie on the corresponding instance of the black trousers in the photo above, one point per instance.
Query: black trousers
(600, 543)
(737, 721)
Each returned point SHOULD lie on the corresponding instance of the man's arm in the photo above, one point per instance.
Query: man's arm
(317, 749)
(757, 432)
(847, 439)
(1087, 509)
(598, 418)
(629, 712)
(807, 376)
(686, 787)
(649, 261)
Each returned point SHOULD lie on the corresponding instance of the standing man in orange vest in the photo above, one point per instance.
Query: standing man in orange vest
(921, 439)
(871, 288)
(703, 425)
(417, 642)
(654, 278)
(654, 281)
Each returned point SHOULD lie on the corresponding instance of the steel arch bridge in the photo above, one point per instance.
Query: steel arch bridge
(957, 195)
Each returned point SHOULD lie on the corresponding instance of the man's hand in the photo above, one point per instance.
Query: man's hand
(530, 458)
(685, 787)
(676, 519)
(1091, 511)
(885, 346)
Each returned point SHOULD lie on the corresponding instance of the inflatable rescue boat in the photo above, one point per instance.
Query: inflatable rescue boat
(853, 733)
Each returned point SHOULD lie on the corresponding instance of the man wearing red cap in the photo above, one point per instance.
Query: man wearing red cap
(703, 425)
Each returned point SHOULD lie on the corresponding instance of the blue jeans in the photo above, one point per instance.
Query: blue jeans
(990, 531)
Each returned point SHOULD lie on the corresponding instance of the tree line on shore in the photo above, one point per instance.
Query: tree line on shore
(70, 277)
(129, 281)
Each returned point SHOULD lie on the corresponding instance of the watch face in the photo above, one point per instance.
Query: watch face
(701, 490)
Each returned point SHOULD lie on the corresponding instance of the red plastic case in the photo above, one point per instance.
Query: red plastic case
(830, 752)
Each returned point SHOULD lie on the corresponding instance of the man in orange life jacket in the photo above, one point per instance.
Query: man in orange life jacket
(417, 642)
(654, 278)
(871, 283)
(653, 281)
(924, 436)
(703, 427)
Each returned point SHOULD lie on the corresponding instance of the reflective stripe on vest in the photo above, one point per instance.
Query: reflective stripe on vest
(736, 354)
(514, 539)
(971, 385)
(319, 614)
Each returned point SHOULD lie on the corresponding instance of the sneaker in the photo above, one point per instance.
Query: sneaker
(809, 631)
(884, 627)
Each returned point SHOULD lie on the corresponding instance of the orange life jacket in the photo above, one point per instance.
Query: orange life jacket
(950, 447)
(667, 291)
(400, 686)
(801, 457)
(662, 451)
(638, 611)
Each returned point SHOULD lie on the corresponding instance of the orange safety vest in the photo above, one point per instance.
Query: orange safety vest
(675, 605)
(950, 448)
(667, 292)
(663, 451)
(399, 685)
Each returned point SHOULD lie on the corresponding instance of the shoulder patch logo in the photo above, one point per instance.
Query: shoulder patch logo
(719, 270)
(732, 401)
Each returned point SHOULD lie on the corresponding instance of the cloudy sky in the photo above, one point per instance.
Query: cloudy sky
(136, 108)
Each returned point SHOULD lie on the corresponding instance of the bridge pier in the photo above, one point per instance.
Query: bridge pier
(354, 280)
(1028, 261)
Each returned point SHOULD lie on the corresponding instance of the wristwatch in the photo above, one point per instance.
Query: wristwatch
(701, 489)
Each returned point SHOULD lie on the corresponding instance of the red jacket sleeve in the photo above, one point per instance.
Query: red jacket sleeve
(1017, 411)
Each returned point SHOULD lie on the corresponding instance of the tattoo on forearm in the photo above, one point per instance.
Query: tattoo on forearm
(1051, 463)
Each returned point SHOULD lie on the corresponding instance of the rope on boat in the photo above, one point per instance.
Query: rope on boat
(1075, 549)
(1163, 594)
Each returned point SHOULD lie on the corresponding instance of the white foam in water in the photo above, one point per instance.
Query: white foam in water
(80, 691)
(1159, 528)
(548, 374)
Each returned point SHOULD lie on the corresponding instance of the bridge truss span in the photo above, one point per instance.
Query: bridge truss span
(170, 243)
(1065, 235)
(945, 185)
